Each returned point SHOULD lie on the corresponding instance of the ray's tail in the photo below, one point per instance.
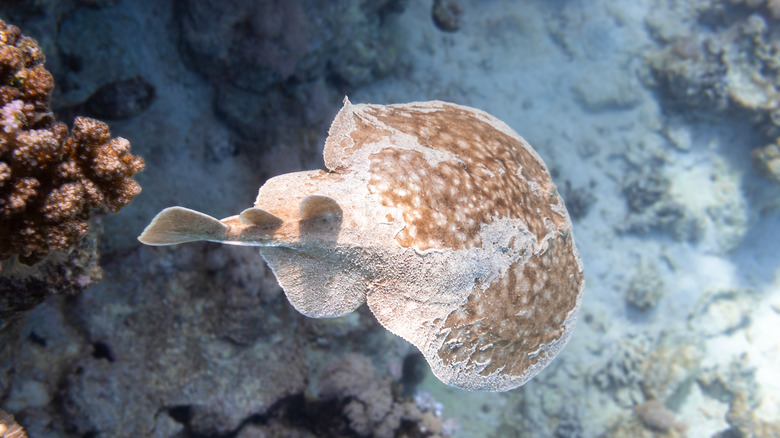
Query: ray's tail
(176, 225)
(253, 227)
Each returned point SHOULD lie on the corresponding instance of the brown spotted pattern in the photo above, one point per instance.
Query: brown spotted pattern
(505, 324)
(496, 298)
(445, 204)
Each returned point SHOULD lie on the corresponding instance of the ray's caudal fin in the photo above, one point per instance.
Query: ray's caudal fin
(176, 225)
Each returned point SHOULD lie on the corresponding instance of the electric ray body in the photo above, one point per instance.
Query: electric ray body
(440, 217)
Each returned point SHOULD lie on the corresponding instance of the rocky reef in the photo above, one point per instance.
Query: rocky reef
(279, 66)
(726, 63)
(237, 361)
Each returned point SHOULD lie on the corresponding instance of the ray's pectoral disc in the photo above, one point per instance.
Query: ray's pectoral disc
(440, 217)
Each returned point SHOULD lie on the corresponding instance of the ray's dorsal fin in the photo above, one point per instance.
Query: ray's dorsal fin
(176, 225)
(232, 221)
(258, 217)
(319, 206)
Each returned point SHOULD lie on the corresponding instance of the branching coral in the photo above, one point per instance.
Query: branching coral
(51, 181)
(10, 428)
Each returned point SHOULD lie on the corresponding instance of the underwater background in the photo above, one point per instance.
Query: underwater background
(658, 119)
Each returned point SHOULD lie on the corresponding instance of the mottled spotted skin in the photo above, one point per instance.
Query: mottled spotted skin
(532, 300)
(490, 176)
(451, 171)
(439, 217)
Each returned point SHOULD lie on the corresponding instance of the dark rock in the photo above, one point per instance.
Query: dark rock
(644, 189)
(578, 200)
(121, 99)
(446, 15)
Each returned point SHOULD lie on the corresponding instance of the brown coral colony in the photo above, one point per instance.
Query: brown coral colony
(50, 181)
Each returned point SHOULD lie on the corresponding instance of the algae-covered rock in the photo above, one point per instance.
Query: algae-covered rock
(767, 161)
(646, 287)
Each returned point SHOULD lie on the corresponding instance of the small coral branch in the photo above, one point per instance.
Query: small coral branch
(51, 181)
(10, 428)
